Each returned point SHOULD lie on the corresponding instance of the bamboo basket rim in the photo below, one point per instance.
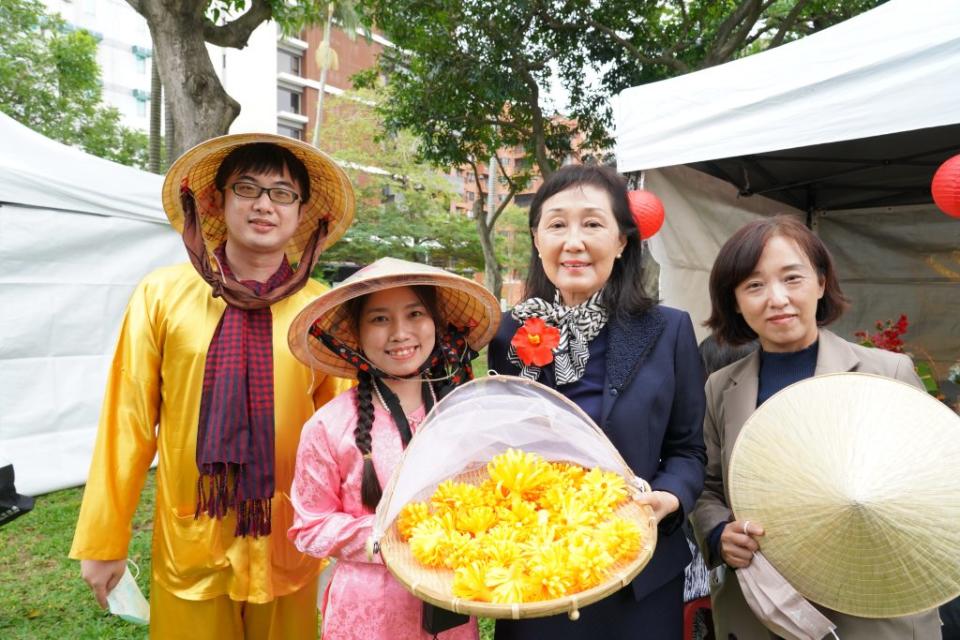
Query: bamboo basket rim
(399, 560)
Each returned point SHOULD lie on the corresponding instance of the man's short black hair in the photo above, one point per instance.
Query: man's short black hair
(264, 157)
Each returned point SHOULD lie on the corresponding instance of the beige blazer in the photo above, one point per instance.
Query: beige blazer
(731, 398)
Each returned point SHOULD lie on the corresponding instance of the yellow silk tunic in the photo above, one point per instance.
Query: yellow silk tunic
(151, 406)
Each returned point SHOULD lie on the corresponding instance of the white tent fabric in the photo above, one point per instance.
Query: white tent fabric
(892, 260)
(895, 68)
(890, 71)
(702, 213)
(76, 235)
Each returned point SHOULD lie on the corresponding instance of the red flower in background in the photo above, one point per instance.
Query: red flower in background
(535, 342)
(887, 335)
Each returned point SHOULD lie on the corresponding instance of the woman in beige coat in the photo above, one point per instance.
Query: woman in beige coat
(774, 281)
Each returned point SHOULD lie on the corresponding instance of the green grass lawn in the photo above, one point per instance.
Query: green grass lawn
(41, 594)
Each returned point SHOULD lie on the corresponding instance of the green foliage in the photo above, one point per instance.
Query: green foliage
(513, 239)
(404, 213)
(50, 81)
(467, 86)
(471, 73)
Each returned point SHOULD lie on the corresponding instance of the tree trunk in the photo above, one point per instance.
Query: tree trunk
(491, 266)
(324, 68)
(201, 108)
(156, 102)
(168, 128)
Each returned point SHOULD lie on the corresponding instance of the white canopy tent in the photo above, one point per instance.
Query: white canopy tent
(844, 129)
(76, 235)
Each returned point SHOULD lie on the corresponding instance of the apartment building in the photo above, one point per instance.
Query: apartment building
(124, 53)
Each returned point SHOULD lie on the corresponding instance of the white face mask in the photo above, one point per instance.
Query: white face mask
(127, 601)
(778, 605)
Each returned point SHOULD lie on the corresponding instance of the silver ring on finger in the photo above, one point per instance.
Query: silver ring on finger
(745, 525)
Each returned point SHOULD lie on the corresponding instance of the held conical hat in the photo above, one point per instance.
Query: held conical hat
(463, 303)
(854, 479)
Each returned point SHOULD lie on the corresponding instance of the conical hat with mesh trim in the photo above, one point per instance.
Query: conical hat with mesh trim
(464, 303)
(854, 479)
(331, 194)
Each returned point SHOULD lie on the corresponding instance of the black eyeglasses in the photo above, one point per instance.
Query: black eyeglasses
(252, 191)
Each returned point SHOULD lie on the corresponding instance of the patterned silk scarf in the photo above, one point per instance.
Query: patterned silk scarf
(578, 326)
(235, 435)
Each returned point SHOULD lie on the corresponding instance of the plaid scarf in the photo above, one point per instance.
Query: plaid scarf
(235, 435)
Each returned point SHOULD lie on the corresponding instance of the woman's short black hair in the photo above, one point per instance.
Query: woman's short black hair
(623, 294)
(264, 157)
(738, 258)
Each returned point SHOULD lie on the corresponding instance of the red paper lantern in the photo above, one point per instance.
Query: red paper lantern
(647, 210)
(946, 187)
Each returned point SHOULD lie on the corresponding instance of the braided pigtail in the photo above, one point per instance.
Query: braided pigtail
(370, 490)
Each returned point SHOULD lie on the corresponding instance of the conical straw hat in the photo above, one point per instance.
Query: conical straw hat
(464, 303)
(855, 480)
(331, 194)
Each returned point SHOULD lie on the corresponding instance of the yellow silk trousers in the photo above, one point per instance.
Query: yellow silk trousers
(289, 617)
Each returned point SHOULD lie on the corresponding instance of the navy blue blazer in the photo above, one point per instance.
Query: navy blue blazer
(652, 411)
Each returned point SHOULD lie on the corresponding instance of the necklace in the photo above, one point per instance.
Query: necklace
(383, 403)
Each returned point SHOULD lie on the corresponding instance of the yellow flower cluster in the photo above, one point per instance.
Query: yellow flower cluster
(534, 530)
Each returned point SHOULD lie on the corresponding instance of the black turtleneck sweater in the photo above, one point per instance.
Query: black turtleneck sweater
(780, 370)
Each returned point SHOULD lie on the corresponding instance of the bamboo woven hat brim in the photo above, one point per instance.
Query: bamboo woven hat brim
(331, 194)
(854, 479)
(464, 303)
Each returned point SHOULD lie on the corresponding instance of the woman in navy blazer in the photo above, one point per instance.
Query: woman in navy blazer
(630, 364)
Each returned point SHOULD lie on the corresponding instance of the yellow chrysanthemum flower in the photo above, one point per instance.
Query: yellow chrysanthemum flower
(568, 475)
(549, 572)
(621, 538)
(476, 520)
(509, 583)
(450, 496)
(427, 542)
(588, 563)
(458, 549)
(572, 512)
(499, 550)
(519, 472)
(518, 512)
(603, 489)
(470, 582)
(410, 516)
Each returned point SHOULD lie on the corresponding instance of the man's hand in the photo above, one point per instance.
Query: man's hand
(102, 576)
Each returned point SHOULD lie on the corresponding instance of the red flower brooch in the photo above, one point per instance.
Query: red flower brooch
(535, 341)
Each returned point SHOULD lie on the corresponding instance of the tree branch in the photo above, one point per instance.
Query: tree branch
(787, 24)
(476, 177)
(503, 172)
(733, 31)
(236, 33)
(502, 206)
(539, 130)
(632, 50)
(136, 5)
(670, 62)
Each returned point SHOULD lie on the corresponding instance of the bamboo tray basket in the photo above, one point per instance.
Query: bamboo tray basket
(434, 585)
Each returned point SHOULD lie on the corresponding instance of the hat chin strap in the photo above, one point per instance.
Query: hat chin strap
(234, 293)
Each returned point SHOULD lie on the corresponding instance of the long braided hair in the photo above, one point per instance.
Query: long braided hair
(370, 489)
